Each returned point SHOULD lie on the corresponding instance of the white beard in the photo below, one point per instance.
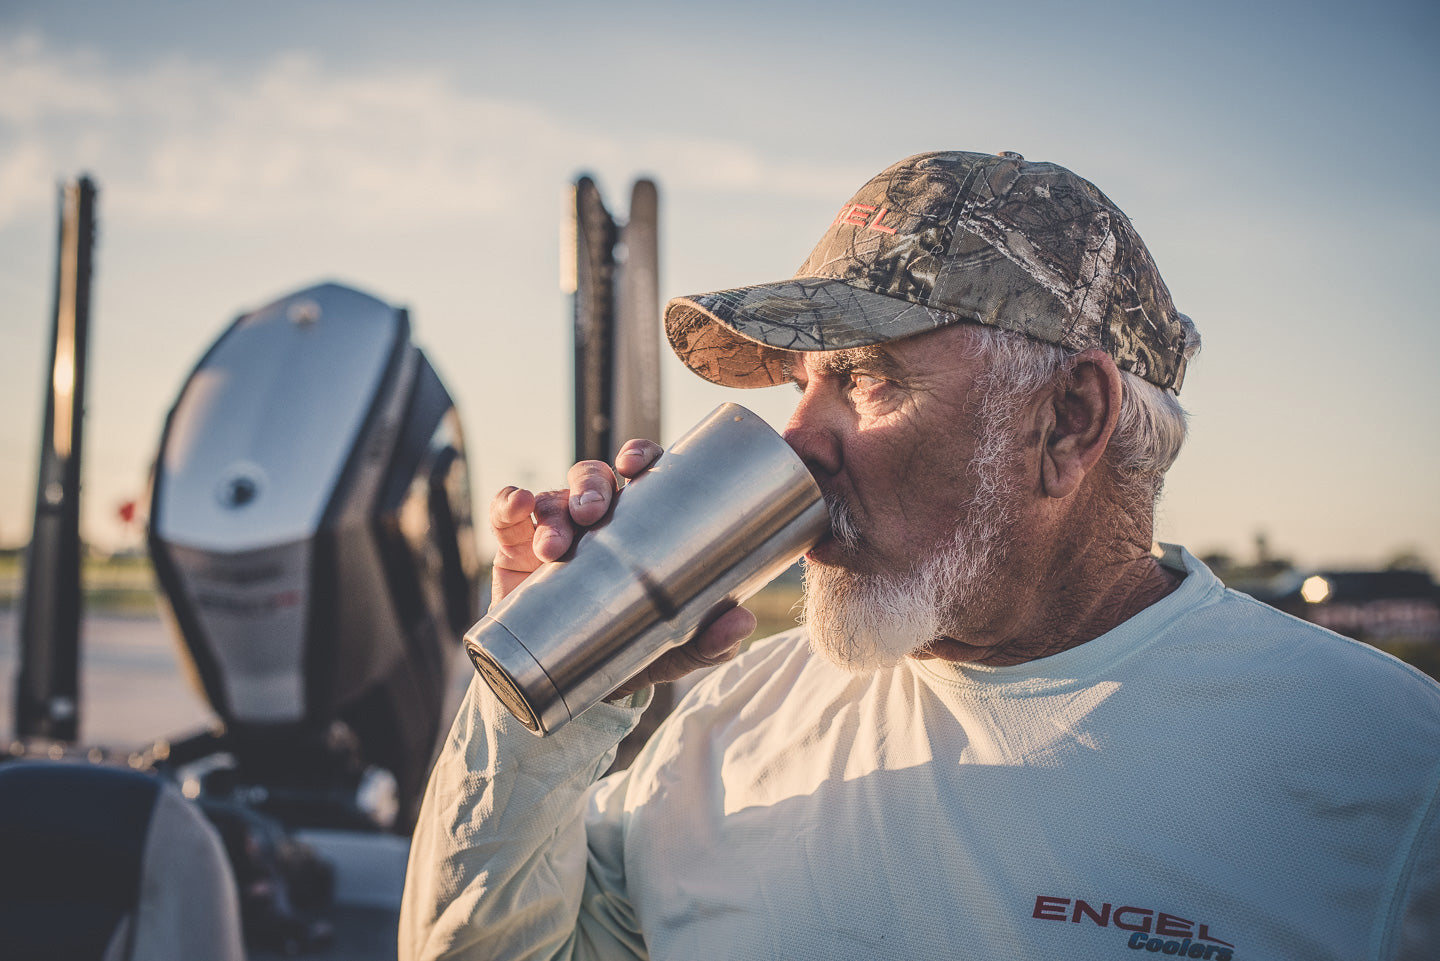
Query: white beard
(865, 622)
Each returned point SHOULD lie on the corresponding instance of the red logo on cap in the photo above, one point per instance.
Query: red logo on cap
(864, 215)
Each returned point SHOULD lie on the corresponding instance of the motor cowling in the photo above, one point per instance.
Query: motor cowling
(311, 529)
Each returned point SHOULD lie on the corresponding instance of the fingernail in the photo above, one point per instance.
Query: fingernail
(588, 497)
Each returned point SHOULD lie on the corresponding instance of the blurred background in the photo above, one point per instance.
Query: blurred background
(1274, 156)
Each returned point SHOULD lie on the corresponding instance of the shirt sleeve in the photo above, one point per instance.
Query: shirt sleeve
(1417, 914)
(500, 866)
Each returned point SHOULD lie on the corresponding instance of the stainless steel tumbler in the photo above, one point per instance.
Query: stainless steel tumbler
(723, 511)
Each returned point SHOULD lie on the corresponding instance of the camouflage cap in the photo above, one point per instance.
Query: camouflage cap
(944, 238)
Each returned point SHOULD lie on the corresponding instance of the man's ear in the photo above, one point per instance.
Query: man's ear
(1081, 413)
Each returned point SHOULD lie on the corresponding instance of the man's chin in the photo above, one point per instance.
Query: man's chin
(863, 623)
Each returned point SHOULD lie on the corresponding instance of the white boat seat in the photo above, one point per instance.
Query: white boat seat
(111, 865)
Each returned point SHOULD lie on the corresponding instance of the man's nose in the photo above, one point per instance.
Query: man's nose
(811, 434)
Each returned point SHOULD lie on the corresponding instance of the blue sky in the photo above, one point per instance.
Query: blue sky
(1275, 157)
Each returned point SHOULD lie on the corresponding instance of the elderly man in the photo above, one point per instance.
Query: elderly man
(1008, 727)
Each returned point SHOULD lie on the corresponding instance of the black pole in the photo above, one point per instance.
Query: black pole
(48, 687)
(636, 364)
(595, 235)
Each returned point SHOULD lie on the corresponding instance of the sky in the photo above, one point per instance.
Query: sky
(1276, 157)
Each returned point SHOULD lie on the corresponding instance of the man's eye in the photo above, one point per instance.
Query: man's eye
(865, 381)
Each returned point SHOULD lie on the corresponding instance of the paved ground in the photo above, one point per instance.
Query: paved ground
(133, 688)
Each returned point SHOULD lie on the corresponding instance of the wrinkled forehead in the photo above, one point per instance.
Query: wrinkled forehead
(839, 361)
(932, 349)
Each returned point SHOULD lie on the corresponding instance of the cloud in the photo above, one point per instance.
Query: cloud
(38, 84)
(729, 167)
(181, 143)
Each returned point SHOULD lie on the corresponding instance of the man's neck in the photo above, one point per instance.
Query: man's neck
(1084, 583)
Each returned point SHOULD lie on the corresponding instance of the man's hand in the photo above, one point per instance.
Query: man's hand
(532, 529)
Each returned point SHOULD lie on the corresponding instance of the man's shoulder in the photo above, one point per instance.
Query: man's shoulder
(1261, 661)
(1274, 627)
(1235, 629)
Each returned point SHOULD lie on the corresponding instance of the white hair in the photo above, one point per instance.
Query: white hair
(1148, 435)
(866, 621)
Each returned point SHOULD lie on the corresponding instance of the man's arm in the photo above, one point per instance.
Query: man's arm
(500, 866)
(1415, 928)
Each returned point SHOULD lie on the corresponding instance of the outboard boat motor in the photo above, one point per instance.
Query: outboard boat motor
(310, 527)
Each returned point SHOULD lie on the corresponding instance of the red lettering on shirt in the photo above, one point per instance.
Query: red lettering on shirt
(1046, 908)
(1170, 924)
(1142, 926)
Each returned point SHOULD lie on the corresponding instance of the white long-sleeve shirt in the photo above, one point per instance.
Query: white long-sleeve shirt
(1210, 779)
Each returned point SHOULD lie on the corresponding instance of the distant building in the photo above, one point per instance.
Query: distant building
(1379, 607)
(1374, 606)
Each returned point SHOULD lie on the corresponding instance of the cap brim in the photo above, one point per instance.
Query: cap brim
(743, 337)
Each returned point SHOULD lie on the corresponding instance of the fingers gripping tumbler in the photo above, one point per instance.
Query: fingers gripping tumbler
(722, 512)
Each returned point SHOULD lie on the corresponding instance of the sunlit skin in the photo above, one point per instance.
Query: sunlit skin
(890, 429)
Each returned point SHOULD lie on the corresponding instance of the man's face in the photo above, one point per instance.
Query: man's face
(889, 432)
(920, 491)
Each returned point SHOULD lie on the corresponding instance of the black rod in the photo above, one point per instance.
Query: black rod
(48, 685)
(595, 235)
(635, 369)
